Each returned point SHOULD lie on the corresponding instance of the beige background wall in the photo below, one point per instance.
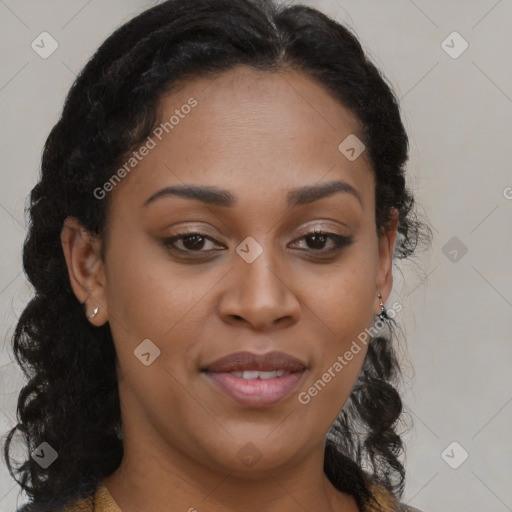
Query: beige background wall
(458, 307)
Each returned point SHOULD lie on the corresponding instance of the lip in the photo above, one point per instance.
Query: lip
(255, 392)
(246, 361)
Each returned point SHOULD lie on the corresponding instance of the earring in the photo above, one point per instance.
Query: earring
(383, 315)
(94, 313)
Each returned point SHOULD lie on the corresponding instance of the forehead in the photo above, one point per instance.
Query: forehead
(245, 127)
(285, 103)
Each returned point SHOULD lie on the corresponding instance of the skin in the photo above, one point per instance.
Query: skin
(258, 135)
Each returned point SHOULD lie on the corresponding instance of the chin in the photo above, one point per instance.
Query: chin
(248, 459)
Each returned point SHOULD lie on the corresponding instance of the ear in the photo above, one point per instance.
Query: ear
(85, 268)
(386, 249)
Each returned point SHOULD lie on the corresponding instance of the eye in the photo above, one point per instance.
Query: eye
(195, 242)
(191, 241)
(316, 240)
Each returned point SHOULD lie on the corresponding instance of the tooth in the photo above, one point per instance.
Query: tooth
(250, 375)
(254, 374)
(268, 375)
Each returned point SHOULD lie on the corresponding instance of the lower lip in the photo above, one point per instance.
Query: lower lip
(255, 392)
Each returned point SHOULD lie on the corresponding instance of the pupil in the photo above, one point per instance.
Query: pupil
(317, 238)
(197, 242)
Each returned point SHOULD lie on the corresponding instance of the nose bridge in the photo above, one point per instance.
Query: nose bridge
(260, 277)
(258, 272)
(258, 290)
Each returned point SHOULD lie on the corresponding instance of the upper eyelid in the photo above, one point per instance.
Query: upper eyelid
(315, 230)
(323, 227)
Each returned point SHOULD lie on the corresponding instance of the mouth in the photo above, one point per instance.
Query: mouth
(255, 380)
(265, 375)
(243, 362)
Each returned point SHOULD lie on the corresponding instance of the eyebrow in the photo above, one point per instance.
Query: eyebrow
(221, 197)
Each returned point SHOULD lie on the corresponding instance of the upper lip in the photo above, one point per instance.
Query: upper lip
(246, 361)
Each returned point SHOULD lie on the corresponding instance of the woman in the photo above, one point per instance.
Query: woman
(211, 245)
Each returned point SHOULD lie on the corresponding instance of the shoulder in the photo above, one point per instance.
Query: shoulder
(76, 504)
(407, 508)
(385, 501)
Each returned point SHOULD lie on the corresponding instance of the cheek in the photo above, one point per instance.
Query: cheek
(342, 316)
(149, 299)
(148, 293)
(343, 298)
(344, 312)
(340, 307)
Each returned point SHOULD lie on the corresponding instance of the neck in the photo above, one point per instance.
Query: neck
(155, 480)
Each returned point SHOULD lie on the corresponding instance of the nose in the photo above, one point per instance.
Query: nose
(260, 295)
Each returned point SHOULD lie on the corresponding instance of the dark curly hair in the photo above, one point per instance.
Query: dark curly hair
(71, 399)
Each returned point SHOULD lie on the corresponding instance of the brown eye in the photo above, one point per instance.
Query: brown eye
(191, 242)
(317, 241)
(194, 243)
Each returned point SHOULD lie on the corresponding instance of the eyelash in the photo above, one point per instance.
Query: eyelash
(340, 242)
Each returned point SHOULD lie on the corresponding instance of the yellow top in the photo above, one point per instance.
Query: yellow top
(105, 503)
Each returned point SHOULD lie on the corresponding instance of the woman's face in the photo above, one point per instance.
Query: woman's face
(267, 145)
